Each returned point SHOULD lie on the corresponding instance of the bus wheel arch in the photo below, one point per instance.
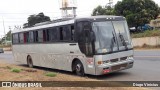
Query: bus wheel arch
(78, 67)
(29, 61)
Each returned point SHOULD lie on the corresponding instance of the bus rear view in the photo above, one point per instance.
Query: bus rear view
(106, 42)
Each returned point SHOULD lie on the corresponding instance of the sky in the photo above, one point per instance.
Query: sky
(15, 12)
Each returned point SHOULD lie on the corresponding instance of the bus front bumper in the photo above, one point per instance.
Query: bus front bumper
(110, 68)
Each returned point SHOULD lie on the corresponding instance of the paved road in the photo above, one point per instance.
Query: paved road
(146, 67)
(7, 57)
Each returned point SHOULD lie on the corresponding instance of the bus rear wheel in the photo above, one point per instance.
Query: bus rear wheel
(79, 69)
(29, 62)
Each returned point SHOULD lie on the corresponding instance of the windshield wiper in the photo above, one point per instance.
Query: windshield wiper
(123, 40)
(112, 42)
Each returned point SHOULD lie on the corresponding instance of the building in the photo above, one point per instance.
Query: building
(155, 23)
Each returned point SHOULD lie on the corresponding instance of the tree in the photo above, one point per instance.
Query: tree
(137, 12)
(8, 37)
(99, 10)
(33, 19)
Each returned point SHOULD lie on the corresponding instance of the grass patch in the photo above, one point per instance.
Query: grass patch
(16, 70)
(8, 67)
(145, 46)
(5, 46)
(51, 74)
(148, 33)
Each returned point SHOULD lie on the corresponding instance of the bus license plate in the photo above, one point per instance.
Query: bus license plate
(122, 66)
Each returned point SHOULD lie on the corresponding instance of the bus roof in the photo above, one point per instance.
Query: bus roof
(66, 21)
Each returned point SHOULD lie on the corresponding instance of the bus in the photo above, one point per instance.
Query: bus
(94, 45)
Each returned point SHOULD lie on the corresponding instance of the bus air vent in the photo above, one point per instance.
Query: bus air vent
(123, 58)
(114, 60)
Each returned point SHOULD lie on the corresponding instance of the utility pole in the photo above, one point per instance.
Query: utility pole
(4, 31)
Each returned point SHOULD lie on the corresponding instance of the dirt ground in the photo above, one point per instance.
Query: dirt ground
(36, 74)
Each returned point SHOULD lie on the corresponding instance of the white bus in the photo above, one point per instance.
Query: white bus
(93, 45)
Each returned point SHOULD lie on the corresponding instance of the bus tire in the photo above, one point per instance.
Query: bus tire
(29, 62)
(79, 69)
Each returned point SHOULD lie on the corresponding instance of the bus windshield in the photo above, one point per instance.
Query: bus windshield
(111, 36)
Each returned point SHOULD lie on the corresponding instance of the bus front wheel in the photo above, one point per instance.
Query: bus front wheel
(79, 69)
(29, 62)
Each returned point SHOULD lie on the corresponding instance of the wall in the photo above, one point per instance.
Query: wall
(153, 41)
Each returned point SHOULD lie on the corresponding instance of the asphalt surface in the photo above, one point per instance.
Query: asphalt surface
(146, 67)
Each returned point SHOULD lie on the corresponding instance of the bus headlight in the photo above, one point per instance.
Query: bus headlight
(100, 62)
(130, 57)
(103, 62)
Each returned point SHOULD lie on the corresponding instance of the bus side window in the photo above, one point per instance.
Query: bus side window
(47, 35)
(21, 37)
(53, 35)
(15, 38)
(44, 35)
(61, 33)
(67, 33)
(24, 37)
(72, 32)
(40, 36)
(35, 36)
(31, 37)
(27, 37)
(83, 32)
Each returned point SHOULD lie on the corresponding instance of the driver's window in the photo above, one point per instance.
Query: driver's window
(84, 38)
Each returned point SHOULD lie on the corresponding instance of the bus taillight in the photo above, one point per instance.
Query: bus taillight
(106, 71)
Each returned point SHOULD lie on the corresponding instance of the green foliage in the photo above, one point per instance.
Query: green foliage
(8, 37)
(147, 33)
(8, 67)
(34, 19)
(137, 12)
(50, 74)
(16, 70)
(99, 10)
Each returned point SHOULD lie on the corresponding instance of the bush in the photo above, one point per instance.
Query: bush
(147, 47)
(16, 70)
(50, 74)
(148, 33)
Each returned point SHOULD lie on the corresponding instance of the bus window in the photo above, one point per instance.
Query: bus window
(44, 35)
(40, 36)
(31, 37)
(15, 38)
(35, 36)
(53, 34)
(61, 33)
(66, 33)
(84, 39)
(21, 37)
(47, 35)
(26, 37)
(72, 32)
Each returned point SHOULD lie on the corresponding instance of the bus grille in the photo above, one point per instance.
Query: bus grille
(114, 60)
(123, 58)
(117, 67)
